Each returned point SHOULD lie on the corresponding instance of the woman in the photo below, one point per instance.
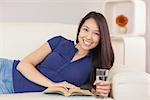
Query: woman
(61, 62)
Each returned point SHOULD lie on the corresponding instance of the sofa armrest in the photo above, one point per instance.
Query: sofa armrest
(148, 78)
(129, 85)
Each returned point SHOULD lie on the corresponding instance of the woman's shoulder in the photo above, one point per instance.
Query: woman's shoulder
(61, 39)
(58, 41)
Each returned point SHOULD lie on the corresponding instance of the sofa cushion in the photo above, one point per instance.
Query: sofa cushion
(129, 85)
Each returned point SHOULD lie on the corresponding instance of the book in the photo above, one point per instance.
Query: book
(67, 92)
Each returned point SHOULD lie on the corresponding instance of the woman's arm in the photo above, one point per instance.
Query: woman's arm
(27, 66)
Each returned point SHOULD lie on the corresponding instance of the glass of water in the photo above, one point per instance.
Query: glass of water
(101, 74)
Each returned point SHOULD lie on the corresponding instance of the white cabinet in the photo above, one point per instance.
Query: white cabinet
(133, 10)
(130, 51)
(127, 31)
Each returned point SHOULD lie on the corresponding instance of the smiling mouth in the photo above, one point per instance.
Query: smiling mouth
(87, 43)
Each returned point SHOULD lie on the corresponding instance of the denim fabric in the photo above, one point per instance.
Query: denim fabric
(6, 82)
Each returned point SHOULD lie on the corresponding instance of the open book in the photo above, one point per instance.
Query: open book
(67, 92)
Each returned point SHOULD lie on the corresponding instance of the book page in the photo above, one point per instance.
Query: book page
(57, 90)
(79, 92)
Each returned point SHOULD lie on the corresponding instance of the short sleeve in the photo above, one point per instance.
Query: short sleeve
(54, 42)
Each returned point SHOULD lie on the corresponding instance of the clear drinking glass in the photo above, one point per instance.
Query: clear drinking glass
(101, 74)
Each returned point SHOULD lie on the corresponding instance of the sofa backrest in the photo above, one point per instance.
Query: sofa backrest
(17, 40)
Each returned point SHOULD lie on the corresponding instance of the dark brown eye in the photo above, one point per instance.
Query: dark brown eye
(85, 29)
(97, 34)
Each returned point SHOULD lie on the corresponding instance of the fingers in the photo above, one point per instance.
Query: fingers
(103, 90)
(102, 87)
(102, 94)
(100, 82)
(68, 85)
(107, 87)
(65, 84)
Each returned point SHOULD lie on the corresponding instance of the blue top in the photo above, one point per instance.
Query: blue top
(57, 66)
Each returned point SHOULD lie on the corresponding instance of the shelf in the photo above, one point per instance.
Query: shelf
(118, 37)
(132, 9)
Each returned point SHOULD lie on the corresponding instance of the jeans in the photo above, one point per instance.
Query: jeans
(6, 82)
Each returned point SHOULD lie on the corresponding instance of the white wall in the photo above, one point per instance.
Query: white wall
(61, 11)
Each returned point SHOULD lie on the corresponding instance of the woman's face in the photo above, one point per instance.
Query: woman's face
(89, 35)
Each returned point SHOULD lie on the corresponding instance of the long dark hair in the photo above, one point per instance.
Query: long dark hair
(102, 54)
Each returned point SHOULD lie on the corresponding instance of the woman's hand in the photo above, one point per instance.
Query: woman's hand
(102, 87)
(65, 84)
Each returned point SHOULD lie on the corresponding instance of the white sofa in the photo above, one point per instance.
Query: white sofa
(129, 79)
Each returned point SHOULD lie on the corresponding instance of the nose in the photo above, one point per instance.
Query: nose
(89, 36)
